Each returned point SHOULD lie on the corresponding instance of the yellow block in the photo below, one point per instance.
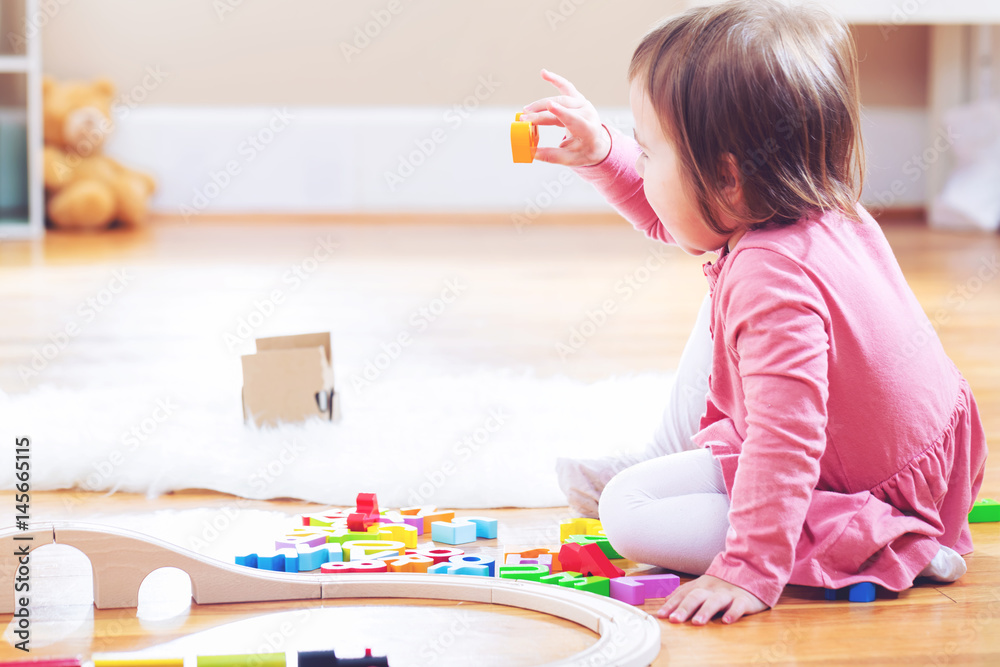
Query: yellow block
(249, 660)
(579, 527)
(399, 532)
(372, 546)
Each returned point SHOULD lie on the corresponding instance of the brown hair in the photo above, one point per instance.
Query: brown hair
(773, 85)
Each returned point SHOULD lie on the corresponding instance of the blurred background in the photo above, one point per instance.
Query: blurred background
(180, 179)
(403, 107)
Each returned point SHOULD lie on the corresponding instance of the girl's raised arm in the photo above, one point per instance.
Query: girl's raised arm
(604, 157)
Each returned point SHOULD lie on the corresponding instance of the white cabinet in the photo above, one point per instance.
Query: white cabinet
(899, 12)
(964, 58)
(22, 199)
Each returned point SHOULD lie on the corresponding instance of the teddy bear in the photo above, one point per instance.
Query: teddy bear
(85, 190)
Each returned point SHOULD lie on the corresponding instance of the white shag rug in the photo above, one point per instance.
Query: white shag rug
(486, 439)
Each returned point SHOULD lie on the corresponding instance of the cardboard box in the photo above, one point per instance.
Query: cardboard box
(289, 379)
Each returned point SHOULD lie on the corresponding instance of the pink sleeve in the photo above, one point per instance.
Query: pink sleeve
(616, 179)
(775, 322)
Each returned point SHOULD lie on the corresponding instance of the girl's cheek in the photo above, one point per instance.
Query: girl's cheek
(651, 184)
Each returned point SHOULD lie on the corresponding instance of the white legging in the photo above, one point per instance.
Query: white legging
(672, 510)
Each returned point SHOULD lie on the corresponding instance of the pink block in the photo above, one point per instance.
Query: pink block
(439, 554)
(626, 589)
(415, 521)
(293, 542)
(544, 559)
(360, 566)
(659, 585)
(636, 590)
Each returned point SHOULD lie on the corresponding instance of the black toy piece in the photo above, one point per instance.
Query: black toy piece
(329, 659)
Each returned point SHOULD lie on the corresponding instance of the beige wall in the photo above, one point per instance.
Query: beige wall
(277, 52)
(893, 70)
(431, 52)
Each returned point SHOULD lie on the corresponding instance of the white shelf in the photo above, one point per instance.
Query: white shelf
(15, 64)
(30, 66)
(17, 231)
(903, 12)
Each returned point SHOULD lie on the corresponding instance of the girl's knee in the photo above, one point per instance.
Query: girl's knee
(612, 499)
(617, 517)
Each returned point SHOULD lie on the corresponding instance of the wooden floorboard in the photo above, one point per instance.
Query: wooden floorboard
(535, 282)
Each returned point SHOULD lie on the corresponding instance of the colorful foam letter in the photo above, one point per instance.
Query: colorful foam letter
(456, 531)
(985, 510)
(366, 515)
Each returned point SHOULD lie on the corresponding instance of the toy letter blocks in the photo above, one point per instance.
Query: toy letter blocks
(985, 510)
(367, 540)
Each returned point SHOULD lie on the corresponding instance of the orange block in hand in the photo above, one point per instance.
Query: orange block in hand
(523, 140)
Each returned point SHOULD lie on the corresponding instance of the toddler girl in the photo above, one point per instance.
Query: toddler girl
(837, 441)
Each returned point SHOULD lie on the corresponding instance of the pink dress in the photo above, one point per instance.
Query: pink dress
(850, 444)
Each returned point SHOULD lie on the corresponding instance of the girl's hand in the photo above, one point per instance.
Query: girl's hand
(586, 141)
(703, 598)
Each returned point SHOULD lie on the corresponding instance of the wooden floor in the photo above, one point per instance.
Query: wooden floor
(534, 285)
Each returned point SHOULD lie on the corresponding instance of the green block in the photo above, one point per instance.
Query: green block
(529, 572)
(985, 510)
(320, 523)
(600, 541)
(251, 660)
(599, 585)
(576, 581)
(348, 536)
(568, 579)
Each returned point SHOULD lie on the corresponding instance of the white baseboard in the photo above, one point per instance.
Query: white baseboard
(396, 159)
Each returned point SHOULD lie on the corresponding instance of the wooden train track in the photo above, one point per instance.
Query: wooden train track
(121, 559)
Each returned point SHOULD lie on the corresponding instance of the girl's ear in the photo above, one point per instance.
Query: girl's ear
(732, 185)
